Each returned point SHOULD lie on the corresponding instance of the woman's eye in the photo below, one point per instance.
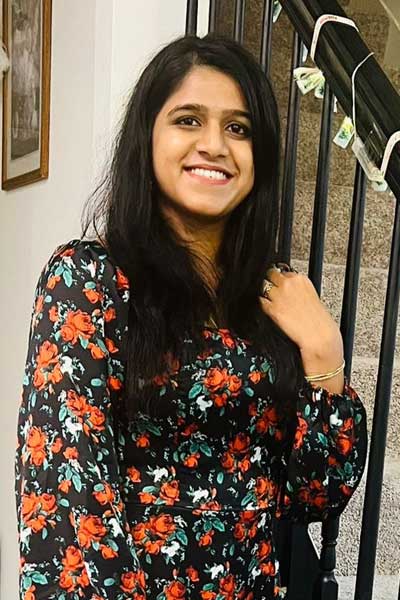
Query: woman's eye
(238, 129)
(181, 121)
(243, 130)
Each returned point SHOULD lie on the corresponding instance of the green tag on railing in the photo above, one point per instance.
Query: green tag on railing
(345, 133)
(276, 11)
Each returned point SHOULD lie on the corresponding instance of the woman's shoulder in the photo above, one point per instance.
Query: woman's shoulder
(86, 260)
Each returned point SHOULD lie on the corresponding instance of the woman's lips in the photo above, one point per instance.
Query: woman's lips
(207, 180)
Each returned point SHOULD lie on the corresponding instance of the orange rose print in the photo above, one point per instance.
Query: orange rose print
(91, 529)
(134, 474)
(169, 492)
(176, 590)
(36, 442)
(77, 324)
(216, 379)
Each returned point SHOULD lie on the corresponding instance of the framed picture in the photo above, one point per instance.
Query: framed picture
(26, 92)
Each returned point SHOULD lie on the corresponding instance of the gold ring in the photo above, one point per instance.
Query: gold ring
(267, 286)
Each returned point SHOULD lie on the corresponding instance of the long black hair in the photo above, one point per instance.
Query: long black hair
(169, 300)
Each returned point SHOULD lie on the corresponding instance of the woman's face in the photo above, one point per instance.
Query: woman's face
(202, 149)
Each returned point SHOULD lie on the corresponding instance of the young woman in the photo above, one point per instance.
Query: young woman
(172, 405)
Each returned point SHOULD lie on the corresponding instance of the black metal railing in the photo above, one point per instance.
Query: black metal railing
(340, 49)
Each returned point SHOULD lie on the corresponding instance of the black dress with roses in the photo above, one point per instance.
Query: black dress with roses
(171, 508)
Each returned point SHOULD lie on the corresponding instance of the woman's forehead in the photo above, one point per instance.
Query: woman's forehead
(209, 89)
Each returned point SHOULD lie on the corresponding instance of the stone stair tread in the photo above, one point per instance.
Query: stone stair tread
(377, 230)
(370, 306)
(388, 545)
(385, 587)
(368, 331)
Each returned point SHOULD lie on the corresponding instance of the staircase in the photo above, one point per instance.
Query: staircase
(378, 226)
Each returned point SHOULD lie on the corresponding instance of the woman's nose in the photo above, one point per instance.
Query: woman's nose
(212, 140)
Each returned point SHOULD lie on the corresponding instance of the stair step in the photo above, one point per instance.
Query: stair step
(363, 378)
(370, 308)
(343, 162)
(385, 587)
(377, 232)
(388, 546)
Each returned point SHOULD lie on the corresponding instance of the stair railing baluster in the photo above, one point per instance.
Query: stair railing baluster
(321, 192)
(212, 16)
(266, 37)
(326, 587)
(373, 492)
(290, 160)
(238, 31)
(191, 17)
(353, 265)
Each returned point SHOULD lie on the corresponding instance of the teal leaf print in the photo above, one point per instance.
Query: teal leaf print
(205, 449)
(62, 413)
(67, 277)
(76, 480)
(26, 582)
(109, 581)
(84, 342)
(152, 428)
(348, 469)
(322, 439)
(182, 537)
(217, 524)
(195, 390)
(249, 497)
(39, 578)
(220, 477)
(96, 382)
(249, 391)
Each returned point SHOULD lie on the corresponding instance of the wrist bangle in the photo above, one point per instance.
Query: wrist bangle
(322, 376)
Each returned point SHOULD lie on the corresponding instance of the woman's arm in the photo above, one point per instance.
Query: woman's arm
(326, 460)
(73, 536)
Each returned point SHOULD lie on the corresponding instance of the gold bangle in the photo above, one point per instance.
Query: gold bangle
(324, 375)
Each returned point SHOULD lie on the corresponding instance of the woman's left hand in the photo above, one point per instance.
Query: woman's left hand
(294, 305)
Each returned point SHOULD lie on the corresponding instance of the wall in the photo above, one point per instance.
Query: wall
(98, 49)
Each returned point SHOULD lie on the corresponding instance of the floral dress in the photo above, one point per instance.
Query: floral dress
(168, 508)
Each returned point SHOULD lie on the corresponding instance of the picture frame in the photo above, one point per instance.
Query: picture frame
(26, 92)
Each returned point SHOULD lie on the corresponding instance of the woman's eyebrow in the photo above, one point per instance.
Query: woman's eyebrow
(203, 109)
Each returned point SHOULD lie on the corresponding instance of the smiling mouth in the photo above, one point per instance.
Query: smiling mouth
(208, 175)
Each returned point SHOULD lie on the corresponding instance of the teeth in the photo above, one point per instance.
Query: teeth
(208, 173)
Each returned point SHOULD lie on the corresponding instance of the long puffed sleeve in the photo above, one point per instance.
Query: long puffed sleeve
(74, 539)
(326, 460)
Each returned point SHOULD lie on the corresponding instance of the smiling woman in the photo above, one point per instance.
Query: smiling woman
(154, 450)
(202, 156)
